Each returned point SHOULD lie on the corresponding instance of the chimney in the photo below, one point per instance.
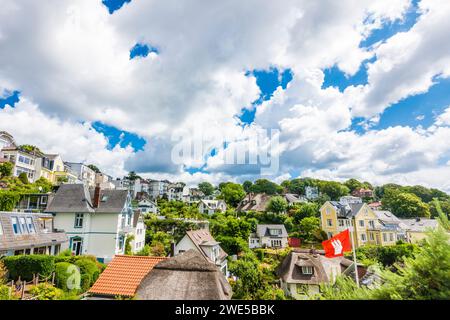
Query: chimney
(96, 201)
(172, 249)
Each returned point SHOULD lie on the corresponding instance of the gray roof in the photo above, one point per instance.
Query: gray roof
(419, 225)
(187, 276)
(203, 237)
(262, 230)
(41, 237)
(78, 198)
(346, 211)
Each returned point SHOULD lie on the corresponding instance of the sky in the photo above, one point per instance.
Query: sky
(351, 88)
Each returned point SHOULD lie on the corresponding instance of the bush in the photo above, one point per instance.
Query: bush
(4, 293)
(62, 275)
(386, 255)
(45, 291)
(25, 266)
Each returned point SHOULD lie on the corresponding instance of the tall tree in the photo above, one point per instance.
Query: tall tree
(207, 188)
(247, 186)
(277, 205)
(404, 205)
(232, 193)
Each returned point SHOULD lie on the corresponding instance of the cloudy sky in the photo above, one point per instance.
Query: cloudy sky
(354, 88)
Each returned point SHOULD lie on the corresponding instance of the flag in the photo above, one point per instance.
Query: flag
(336, 246)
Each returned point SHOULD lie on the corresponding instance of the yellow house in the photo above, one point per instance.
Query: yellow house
(416, 229)
(54, 170)
(368, 229)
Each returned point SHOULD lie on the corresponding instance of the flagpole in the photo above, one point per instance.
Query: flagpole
(354, 255)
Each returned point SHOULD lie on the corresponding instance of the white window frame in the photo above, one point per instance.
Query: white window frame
(307, 270)
(363, 237)
(329, 222)
(23, 225)
(30, 225)
(361, 223)
(79, 220)
(16, 230)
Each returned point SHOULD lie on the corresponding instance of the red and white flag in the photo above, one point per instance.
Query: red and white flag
(336, 246)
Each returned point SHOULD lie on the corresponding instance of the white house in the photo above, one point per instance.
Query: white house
(24, 162)
(139, 229)
(96, 221)
(148, 206)
(269, 236)
(29, 233)
(84, 173)
(6, 140)
(211, 206)
(175, 191)
(203, 242)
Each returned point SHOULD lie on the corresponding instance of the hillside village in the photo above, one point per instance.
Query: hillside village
(137, 238)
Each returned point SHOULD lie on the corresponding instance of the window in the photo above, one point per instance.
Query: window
(361, 223)
(23, 225)
(384, 237)
(341, 222)
(307, 270)
(363, 237)
(79, 220)
(276, 243)
(330, 222)
(1, 229)
(30, 225)
(275, 232)
(328, 210)
(391, 237)
(44, 200)
(371, 237)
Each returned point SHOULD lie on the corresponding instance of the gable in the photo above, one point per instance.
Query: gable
(365, 212)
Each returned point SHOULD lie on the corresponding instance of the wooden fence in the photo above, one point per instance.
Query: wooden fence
(20, 287)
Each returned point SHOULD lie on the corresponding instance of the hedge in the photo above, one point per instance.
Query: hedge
(25, 266)
(62, 275)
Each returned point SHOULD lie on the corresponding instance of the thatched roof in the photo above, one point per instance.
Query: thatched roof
(187, 276)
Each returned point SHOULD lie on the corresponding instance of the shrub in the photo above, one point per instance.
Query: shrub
(62, 275)
(89, 272)
(25, 266)
(45, 291)
(4, 293)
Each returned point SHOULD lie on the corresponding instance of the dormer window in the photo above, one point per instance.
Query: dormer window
(307, 270)
(275, 232)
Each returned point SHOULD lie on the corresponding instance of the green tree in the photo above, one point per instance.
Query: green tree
(298, 186)
(94, 168)
(23, 177)
(277, 205)
(247, 185)
(304, 210)
(309, 227)
(425, 276)
(132, 176)
(333, 189)
(404, 205)
(353, 184)
(266, 186)
(232, 194)
(249, 276)
(207, 188)
(6, 169)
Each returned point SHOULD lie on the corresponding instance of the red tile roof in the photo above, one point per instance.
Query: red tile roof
(123, 275)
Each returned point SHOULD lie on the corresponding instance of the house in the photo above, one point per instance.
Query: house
(97, 221)
(6, 141)
(370, 227)
(416, 229)
(158, 188)
(375, 205)
(55, 170)
(303, 271)
(85, 174)
(175, 191)
(148, 206)
(311, 193)
(187, 276)
(104, 180)
(211, 206)
(29, 233)
(292, 199)
(387, 230)
(203, 242)
(362, 193)
(269, 236)
(122, 276)
(139, 228)
(350, 200)
(34, 202)
(254, 202)
(193, 195)
(24, 161)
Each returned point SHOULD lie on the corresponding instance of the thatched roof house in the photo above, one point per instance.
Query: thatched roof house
(187, 276)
